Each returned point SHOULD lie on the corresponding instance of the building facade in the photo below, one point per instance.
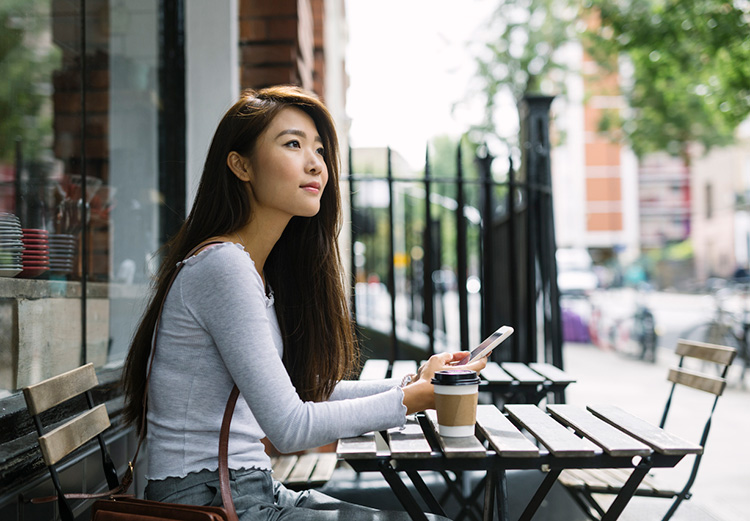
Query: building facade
(107, 112)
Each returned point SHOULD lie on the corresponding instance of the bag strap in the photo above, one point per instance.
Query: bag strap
(127, 478)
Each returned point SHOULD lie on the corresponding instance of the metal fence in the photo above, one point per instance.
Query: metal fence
(440, 261)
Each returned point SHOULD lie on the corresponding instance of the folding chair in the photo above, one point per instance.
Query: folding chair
(584, 483)
(58, 441)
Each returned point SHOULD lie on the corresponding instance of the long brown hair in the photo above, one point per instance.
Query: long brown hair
(304, 267)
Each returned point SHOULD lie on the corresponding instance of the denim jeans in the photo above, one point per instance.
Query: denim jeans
(257, 497)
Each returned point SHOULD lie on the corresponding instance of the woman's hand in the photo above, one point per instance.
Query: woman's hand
(419, 395)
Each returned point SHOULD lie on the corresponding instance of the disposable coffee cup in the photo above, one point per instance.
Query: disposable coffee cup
(456, 393)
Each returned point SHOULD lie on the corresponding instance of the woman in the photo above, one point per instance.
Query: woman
(265, 309)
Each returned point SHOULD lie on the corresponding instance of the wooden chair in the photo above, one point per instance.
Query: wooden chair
(584, 483)
(304, 471)
(59, 440)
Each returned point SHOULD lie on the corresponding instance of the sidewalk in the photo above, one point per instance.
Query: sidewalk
(721, 489)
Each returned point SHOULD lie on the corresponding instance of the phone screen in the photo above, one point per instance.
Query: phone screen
(489, 343)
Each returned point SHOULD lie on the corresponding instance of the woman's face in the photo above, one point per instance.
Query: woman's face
(287, 168)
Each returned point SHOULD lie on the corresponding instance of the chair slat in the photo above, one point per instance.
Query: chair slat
(410, 441)
(710, 352)
(558, 439)
(282, 466)
(59, 442)
(552, 373)
(358, 447)
(374, 369)
(504, 437)
(710, 384)
(403, 367)
(324, 468)
(612, 440)
(522, 373)
(656, 438)
(53, 391)
(465, 446)
(495, 374)
(303, 469)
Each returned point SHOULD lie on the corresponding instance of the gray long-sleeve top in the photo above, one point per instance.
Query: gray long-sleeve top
(218, 328)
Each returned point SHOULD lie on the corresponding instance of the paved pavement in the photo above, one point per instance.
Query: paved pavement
(721, 491)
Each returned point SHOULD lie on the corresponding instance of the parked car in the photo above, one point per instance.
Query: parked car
(575, 273)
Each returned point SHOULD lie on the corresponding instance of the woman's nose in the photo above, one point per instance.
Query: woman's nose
(316, 163)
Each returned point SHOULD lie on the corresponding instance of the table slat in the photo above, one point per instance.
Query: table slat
(614, 441)
(410, 441)
(495, 374)
(374, 370)
(504, 437)
(466, 447)
(403, 367)
(522, 373)
(559, 440)
(552, 373)
(658, 439)
(358, 447)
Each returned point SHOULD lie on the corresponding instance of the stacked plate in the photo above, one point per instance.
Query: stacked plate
(11, 245)
(62, 250)
(35, 255)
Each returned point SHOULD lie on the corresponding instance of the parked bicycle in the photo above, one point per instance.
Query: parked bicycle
(636, 335)
(633, 335)
(727, 327)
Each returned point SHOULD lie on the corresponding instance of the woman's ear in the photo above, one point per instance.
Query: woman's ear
(239, 165)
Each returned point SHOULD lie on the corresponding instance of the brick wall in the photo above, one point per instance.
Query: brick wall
(281, 41)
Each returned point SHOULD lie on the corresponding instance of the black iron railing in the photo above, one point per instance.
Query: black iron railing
(497, 234)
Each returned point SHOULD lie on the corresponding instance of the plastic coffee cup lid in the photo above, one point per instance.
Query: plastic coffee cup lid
(457, 377)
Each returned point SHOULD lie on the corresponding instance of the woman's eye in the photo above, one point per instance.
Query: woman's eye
(293, 144)
(321, 151)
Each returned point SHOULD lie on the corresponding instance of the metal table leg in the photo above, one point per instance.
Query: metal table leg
(402, 493)
(627, 491)
(540, 494)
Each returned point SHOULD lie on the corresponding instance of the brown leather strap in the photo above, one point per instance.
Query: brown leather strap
(226, 490)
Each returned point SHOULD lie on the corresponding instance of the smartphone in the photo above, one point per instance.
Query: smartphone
(486, 347)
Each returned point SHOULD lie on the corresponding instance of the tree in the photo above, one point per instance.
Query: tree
(25, 71)
(522, 56)
(690, 64)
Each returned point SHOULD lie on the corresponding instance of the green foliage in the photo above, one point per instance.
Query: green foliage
(520, 56)
(25, 68)
(690, 70)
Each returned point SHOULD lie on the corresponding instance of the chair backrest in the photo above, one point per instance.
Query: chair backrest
(57, 442)
(720, 355)
(712, 383)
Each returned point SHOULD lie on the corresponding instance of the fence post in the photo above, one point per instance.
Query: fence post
(488, 281)
(429, 303)
(462, 264)
(392, 257)
(541, 233)
(352, 237)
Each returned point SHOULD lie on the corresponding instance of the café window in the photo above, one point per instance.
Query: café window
(81, 191)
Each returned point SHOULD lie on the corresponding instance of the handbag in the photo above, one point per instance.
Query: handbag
(126, 508)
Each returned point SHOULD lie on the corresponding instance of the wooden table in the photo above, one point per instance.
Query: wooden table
(605, 437)
(509, 382)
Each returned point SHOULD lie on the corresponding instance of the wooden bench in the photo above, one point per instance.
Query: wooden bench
(309, 470)
(584, 483)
